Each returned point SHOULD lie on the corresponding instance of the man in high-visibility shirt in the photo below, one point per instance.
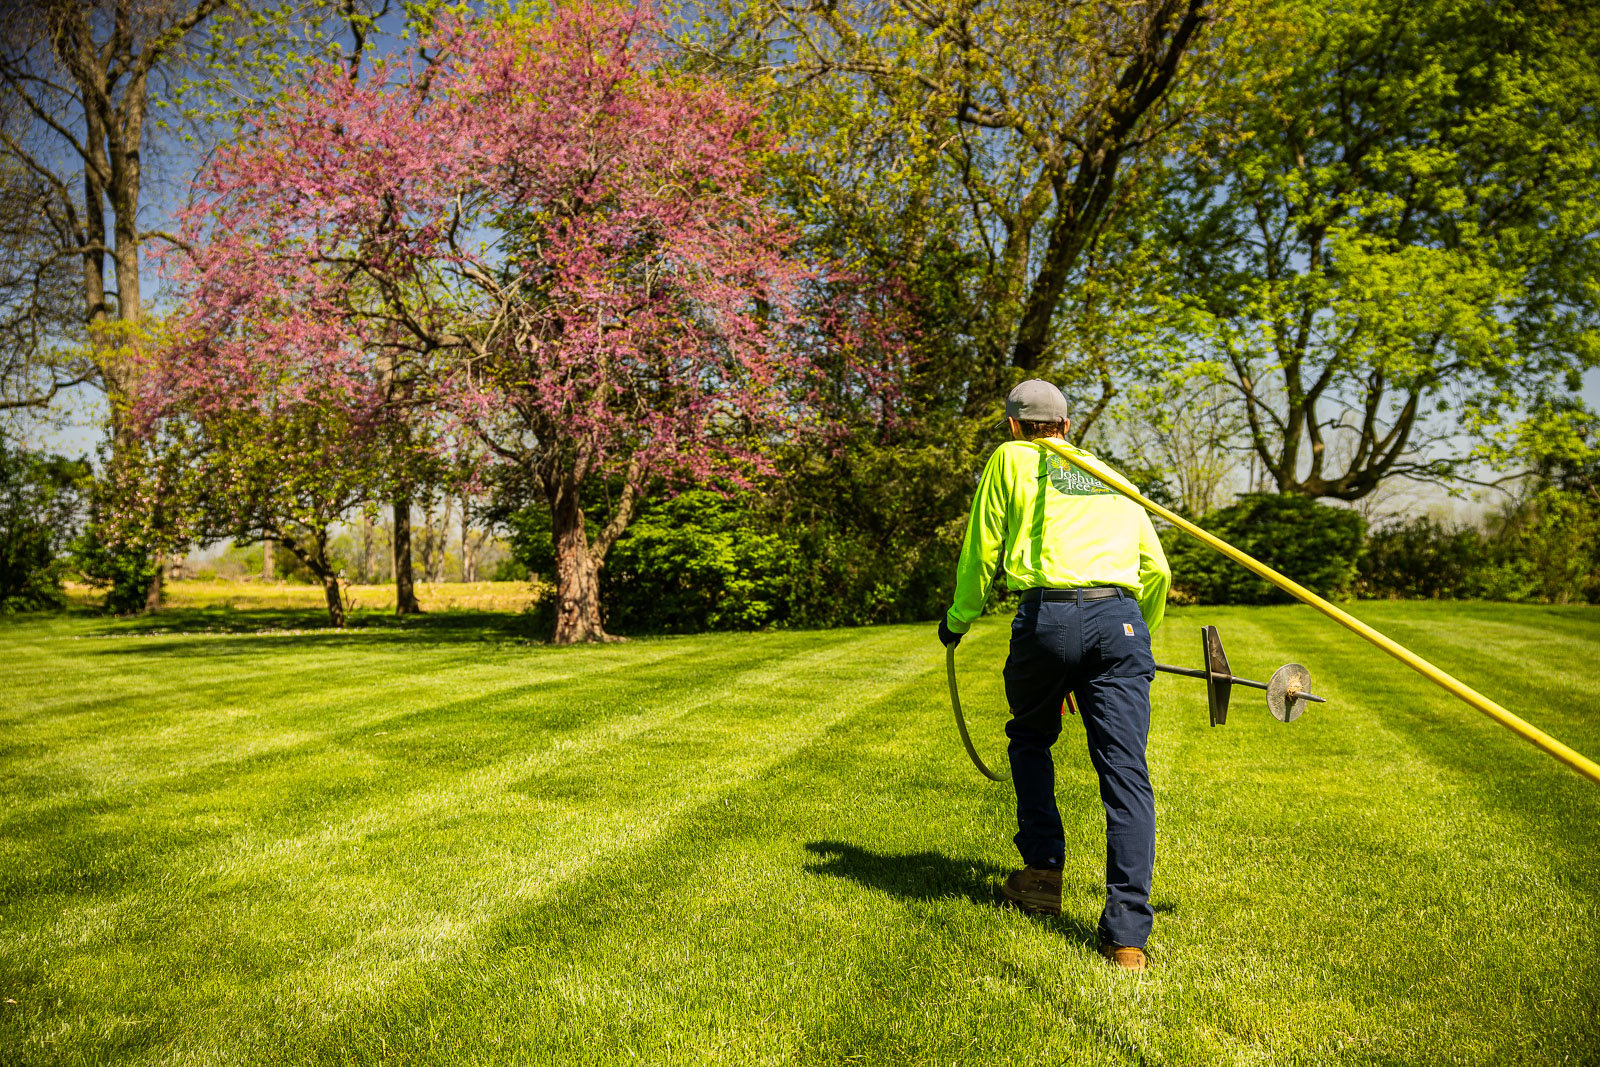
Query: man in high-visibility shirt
(1094, 584)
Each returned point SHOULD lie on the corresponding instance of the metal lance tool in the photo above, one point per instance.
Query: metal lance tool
(1523, 729)
(1287, 693)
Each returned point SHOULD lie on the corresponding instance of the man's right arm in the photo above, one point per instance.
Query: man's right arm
(980, 551)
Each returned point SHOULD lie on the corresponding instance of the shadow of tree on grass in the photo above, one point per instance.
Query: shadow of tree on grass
(448, 627)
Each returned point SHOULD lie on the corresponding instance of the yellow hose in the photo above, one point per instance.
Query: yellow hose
(1576, 760)
(961, 721)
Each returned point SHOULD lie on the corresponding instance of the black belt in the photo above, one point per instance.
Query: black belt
(1093, 592)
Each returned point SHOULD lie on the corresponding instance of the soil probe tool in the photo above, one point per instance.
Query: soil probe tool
(1287, 693)
(1576, 760)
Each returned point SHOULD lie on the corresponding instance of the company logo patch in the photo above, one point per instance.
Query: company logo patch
(1069, 480)
(1127, 628)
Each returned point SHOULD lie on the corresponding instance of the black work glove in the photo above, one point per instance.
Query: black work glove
(948, 637)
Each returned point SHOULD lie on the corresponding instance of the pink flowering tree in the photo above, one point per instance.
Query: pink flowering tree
(568, 244)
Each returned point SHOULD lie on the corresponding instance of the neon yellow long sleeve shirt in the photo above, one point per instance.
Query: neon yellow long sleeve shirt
(1052, 526)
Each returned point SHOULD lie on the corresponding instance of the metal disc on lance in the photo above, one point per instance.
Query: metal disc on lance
(1288, 692)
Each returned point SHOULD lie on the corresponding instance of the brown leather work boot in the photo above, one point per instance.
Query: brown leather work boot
(1034, 890)
(1129, 959)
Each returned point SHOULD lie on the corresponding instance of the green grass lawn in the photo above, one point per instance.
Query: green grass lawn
(439, 843)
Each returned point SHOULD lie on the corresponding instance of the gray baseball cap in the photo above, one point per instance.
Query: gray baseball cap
(1036, 400)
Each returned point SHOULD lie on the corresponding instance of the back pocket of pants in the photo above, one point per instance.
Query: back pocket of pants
(1125, 644)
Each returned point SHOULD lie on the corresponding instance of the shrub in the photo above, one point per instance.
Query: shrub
(124, 571)
(1545, 546)
(1425, 559)
(1552, 537)
(1312, 543)
(42, 504)
(697, 561)
(875, 528)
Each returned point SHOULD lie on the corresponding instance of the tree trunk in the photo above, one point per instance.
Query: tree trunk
(577, 573)
(436, 537)
(152, 593)
(335, 599)
(469, 554)
(364, 552)
(266, 560)
(312, 552)
(405, 593)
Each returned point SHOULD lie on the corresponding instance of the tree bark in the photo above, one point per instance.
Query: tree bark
(266, 560)
(469, 552)
(152, 593)
(577, 571)
(578, 560)
(335, 599)
(405, 594)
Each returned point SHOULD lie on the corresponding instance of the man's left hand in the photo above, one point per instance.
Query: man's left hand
(948, 637)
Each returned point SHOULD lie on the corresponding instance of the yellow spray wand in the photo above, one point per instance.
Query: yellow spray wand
(1576, 760)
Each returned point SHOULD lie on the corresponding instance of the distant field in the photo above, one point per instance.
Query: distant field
(292, 596)
(231, 837)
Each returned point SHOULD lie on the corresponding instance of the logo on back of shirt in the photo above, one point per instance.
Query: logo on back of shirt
(1071, 481)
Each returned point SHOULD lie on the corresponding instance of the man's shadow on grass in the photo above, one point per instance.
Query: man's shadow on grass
(930, 876)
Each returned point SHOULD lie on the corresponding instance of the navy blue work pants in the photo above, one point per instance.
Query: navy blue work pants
(1100, 651)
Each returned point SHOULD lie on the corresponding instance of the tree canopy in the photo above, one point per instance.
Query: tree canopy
(1394, 256)
(561, 239)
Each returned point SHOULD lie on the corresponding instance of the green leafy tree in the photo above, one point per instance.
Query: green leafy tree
(100, 97)
(975, 148)
(289, 474)
(973, 152)
(697, 562)
(43, 502)
(1395, 255)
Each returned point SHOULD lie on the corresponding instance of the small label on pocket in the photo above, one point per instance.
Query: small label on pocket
(1127, 628)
